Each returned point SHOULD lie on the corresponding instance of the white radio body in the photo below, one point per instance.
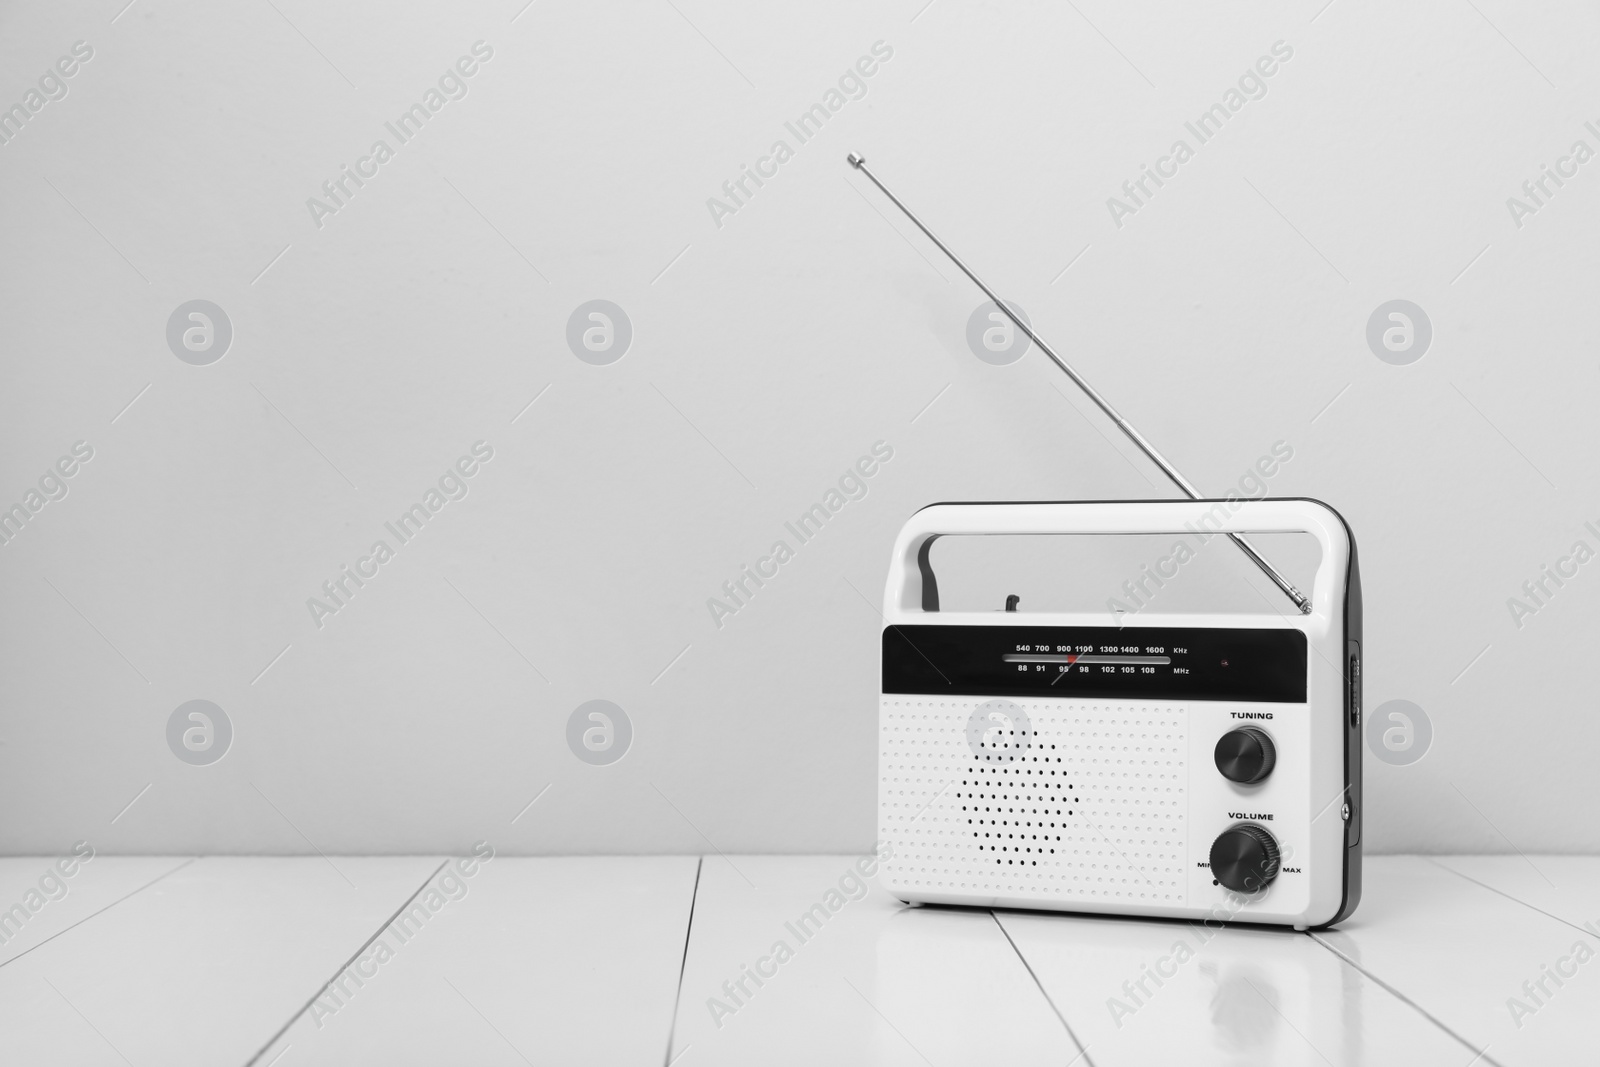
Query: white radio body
(1185, 766)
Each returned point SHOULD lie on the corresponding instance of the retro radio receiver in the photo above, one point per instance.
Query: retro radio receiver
(1193, 766)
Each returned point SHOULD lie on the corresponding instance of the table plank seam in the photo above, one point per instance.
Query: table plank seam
(1508, 896)
(1478, 1053)
(1083, 1050)
(683, 964)
(345, 965)
(100, 911)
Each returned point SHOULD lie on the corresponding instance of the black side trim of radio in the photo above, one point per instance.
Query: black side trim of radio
(1353, 733)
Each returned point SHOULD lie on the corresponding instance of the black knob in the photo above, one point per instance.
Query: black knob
(1245, 755)
(1244, 858)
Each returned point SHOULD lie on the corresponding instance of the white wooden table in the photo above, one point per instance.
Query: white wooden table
(683, 960)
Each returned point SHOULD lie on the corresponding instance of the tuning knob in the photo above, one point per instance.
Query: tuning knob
(1244, 858)
(1245, 755)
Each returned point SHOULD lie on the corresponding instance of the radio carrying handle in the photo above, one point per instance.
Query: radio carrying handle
(912, 589)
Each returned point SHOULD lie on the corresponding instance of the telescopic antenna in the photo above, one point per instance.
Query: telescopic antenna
(859, 163)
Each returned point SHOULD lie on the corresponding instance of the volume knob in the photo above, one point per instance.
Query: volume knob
(1244, 858)
(1245, 755)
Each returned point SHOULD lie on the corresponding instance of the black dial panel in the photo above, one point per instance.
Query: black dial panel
(1155, 662)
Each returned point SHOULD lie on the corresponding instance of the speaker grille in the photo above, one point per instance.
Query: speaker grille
(1089, 805)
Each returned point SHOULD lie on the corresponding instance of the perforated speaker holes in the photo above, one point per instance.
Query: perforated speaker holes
(1003, 808)
(1091, 805)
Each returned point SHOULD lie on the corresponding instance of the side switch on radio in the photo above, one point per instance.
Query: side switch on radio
(1245, 755)
(1355, 691)
(1244, 858)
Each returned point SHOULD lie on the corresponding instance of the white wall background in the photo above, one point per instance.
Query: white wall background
(768, 355)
